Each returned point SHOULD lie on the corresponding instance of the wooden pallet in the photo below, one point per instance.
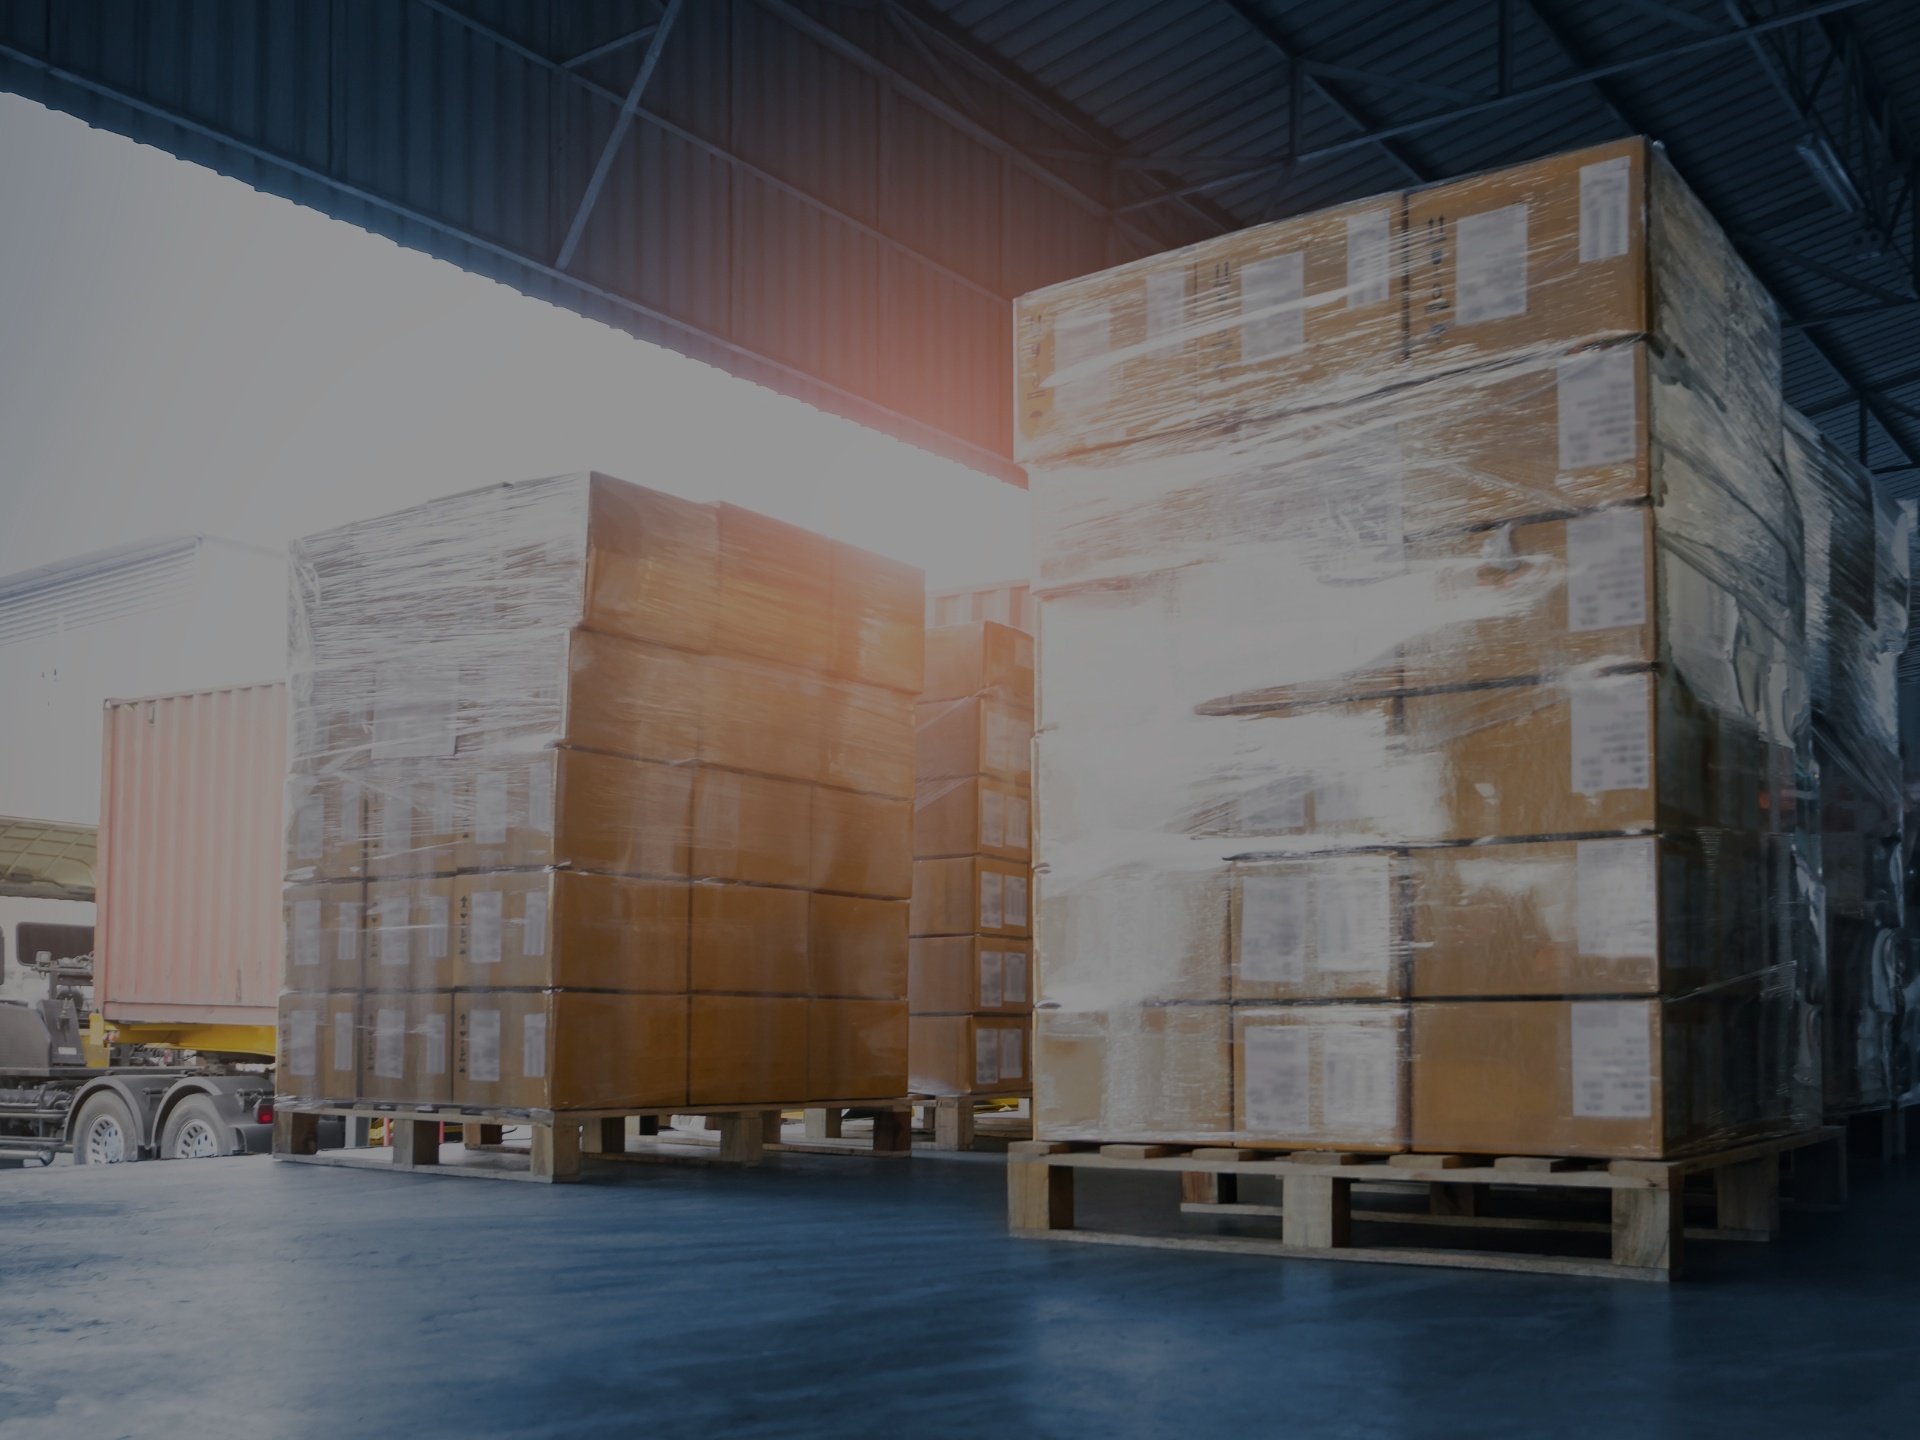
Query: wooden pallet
(561, 1140)
(956, 1123)
(1645, 1216)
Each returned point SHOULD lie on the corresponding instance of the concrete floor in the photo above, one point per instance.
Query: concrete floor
(844, 1297)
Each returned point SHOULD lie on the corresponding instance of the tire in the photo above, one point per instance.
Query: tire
(104, 1132)
(194, 1131)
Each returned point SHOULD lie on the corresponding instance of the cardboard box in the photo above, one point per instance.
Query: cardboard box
(340, 1041)
(972, 816)
(752, 827)
(748, 1049)
(856, 1049)
(1145, 1073)
(323, 936)
(1132, 937)
(1630, 1079)
(568, 930)
(776, 591)
(1321, 1077)
(879, 620)
(749, 939)
(302, 1037)
(652, 566)
(981, 658)
(411, 941)
(575, 807)
(1328, 927)
(766, 718)
(867, 739)
(969, 1055)
(326, 827)
(862, 845)
(1300, 312)
(856, 948)
(970, 895)
(407, 1054)
(959, 974)
(558, 1049)
(954, 739)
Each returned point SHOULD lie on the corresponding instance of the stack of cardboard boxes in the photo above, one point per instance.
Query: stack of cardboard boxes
(600, 799)
(1423, 707)
(1856, 564)
(970, 976)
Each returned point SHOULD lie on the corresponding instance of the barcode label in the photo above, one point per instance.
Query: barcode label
(1612, 734)
(533, 938)
(1606, 571)
(992, 908)
(390, 1044)
(992, 979)
(533, 1047)
(483, 924)
(1272, 317)
(1369, 258)
(1615, 907)
(483, 1044)
(1605, 189)
(1491, 265)
(1612, 1060)
(1166, 310)
(1599, 410)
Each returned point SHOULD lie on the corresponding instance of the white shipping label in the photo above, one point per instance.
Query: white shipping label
(992, 907)
(992, 979)
(303, 1049)
(1612, 734)
(1015, 969)
(308, 824)
(1013, 1065)
(1490, 265)
(1009, 743)
(444, 813)
(1166, 309)
(1353, 915)
(306, 932)
(993, 818)
(483, 927)
(540, 798)
(1360, 1081)
(1616, 897)
(1369, 258)
(1275, 912)
(436, 927)
(396, 821)
(1605, 189)
(346, 935)
(390, 1044)
(533, 938)
(1278, 1065)
(1607, 570)
(1016, 900)
(533, 1047)
(986, 1057)
(490, 810)
(1081, 374)
(1597, 396)
(1612, 1059)
(343, 1040)
(393, 913)
(483, 1044)
(1019, 824)
(1273, 318)
(435, 1031)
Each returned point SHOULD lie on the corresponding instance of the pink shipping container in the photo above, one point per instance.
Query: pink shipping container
(189, 927)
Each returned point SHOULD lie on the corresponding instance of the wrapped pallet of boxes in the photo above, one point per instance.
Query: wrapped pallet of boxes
(1423, 709)
(600, 800)
(970, 972)
(1856, 564)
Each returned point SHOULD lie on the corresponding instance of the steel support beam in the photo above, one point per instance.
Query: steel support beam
(622, 122)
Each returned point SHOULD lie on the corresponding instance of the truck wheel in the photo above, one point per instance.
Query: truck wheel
(193, 1131)
(104, 1133)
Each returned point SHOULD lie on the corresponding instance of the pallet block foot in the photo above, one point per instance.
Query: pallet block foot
(742, 1137)
(1747, 1195)
(605, 1136)
(415, 1143)
(953, 1123)
(1317, 1212)
(1649, 1229)
(771, 1123)
(825, 1124)
(556, 1152)
(892, 1132)
(475, 1135)
(1039, 1195)
(295, 1133)
(1208, 1187)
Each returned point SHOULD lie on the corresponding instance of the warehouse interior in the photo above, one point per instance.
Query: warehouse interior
(932, 926)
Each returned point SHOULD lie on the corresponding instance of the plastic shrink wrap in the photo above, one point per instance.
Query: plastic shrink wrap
(969, 978)
(598, 798)
(1856, 565)
(1423, 718)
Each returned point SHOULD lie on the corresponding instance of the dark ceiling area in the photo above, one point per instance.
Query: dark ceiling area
(839, 200)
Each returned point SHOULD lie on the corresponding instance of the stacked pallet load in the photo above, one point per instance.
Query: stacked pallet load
(1423, 716)
(969, 984)
(601, 804)
(1856, 564)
